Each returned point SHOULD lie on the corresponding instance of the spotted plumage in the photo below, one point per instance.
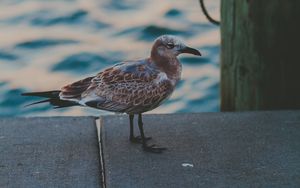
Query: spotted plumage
(131, 87)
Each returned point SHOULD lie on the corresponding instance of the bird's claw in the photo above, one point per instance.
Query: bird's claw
(153, 149)
(139, 140)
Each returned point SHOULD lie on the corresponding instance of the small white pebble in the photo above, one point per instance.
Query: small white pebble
(187, 165)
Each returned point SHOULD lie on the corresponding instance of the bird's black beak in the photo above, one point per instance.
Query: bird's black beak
(190, 51)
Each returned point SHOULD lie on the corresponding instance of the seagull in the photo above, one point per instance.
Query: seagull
(131, 87)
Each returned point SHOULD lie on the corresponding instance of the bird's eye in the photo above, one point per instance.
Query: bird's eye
(170, 45)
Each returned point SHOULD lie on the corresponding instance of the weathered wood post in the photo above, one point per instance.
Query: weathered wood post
(260, 54)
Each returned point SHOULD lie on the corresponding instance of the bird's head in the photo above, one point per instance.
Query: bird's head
(170, 46)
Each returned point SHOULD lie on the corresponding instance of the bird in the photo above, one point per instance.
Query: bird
(131, 87)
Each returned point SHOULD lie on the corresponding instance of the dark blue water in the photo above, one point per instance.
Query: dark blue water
(47, 44)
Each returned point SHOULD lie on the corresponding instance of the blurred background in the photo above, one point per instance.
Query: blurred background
(46, 44)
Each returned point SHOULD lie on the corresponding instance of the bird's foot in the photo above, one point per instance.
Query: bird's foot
(138, 139)
(153, 149)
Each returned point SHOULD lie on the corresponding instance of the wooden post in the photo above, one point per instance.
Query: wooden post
(260, 55)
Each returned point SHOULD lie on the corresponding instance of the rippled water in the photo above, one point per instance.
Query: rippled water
(47, 44)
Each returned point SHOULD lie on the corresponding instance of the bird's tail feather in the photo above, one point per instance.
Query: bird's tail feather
(45, 94)
(52, 98)
(47, 100)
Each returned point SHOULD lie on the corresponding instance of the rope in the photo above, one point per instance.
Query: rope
(206, 13)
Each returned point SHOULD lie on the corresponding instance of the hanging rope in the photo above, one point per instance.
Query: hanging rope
(206, 13)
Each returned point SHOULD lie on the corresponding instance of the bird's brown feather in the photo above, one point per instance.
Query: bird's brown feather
(121, 90)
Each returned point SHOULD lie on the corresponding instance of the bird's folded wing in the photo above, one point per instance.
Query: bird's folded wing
(74, 91)
(116, 89)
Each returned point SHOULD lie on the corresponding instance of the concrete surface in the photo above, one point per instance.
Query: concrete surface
(256, 149)
(251, 149)
(49, 152)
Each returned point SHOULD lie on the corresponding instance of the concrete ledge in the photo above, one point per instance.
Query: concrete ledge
(49, 152)
(251, 149)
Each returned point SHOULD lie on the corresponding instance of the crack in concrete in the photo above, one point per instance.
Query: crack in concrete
(98, 123)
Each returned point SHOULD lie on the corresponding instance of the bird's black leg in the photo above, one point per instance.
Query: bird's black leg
(131, 117)
(132, 138)
(146, 147)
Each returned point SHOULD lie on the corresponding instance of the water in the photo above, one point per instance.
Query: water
(47, 44)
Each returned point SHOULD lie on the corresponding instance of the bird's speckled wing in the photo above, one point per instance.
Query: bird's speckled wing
(131, 87)
(73, 91)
